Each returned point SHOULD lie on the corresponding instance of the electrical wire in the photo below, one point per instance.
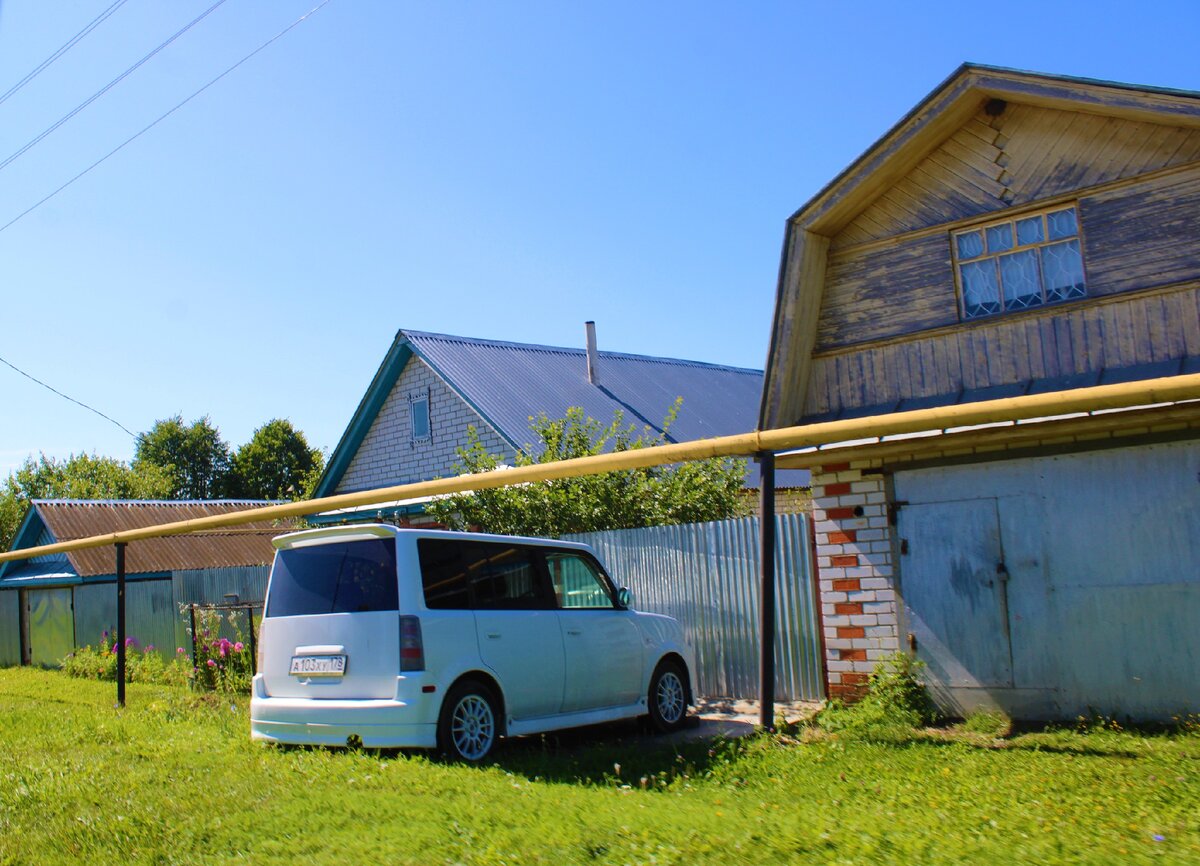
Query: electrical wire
(103, 90)
(67, 46)
(164, 116)
(66, 397)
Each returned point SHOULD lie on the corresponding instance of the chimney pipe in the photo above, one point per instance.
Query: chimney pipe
(593, 356)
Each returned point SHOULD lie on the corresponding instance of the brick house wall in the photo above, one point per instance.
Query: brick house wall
(388, 456)
(855, 573)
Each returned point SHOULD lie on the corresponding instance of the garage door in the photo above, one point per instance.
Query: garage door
(1095, 588)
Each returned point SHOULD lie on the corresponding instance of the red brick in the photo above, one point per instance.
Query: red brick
(834, 467)
(848, 608)
(844, 560)
(846, 513)
(850, 678)
(848, 693)
(848, 536)
(846, 585)
(851, 631)
(853, 655)
(837, 489)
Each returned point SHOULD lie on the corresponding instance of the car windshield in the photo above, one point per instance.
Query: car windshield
(340, 577)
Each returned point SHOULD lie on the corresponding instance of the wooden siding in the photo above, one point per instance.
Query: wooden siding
(1143, 235)
(1046, 344)
(1024, 155)
(884, 292)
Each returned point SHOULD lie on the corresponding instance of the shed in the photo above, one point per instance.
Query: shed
(51, 605)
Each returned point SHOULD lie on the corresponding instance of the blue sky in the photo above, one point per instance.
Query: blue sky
(483, 169)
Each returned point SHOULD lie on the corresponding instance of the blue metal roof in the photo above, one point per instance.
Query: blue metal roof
(508, 383)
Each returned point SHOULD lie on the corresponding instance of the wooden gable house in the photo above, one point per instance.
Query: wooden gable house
(1014, 234)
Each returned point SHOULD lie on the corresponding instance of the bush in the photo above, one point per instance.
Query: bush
(991, 723)
(895, 703)
(142, 664)
(221, 665)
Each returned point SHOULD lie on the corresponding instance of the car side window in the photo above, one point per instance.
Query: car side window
(578, 582)
(503, 577)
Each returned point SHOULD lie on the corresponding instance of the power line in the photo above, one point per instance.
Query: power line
(67, 46)
(103, 90)
(66, 397)
(163, 117)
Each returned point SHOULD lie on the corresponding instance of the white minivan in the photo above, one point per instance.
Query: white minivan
(449, 640)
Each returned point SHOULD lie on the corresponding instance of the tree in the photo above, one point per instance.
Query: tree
(194, 456)
(688, 492)
(277, 463)
(78, 477)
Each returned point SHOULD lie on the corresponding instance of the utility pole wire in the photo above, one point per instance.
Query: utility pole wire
(163, 117)
(70, 43)
(103, 90)
(66, 397)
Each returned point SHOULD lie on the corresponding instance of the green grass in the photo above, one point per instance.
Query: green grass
(174, 778)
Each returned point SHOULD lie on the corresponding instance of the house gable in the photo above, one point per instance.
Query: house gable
(387, 454)
(867, 310)
(1012, 157)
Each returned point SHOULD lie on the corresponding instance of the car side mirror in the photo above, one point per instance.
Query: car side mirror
(625, 597)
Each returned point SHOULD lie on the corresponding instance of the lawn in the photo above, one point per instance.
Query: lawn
(174, 778)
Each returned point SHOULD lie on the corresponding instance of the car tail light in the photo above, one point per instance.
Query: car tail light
(412, 650)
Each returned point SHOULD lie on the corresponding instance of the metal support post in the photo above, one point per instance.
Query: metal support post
(120, 623)
(766, 598)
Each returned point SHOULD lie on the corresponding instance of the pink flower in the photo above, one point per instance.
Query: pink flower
(211, 663)
(179, 650)
(238, 647)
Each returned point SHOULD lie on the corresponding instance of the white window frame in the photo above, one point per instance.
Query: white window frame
(961, 239)
(420, 398)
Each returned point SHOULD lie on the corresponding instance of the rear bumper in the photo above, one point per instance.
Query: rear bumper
(330, 722)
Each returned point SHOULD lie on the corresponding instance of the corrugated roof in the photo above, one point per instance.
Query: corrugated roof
(245, 545)
(509, 382)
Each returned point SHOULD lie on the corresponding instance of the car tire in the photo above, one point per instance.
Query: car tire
(468, 725)
(668, 697)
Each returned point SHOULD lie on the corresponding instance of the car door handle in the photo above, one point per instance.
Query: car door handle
(494, 635)
(574, 631)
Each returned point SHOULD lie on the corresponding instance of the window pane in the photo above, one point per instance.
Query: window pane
(577, 582)
(1061, 224)
(1063, 269)
(1029, 231)
(420, 419)
(981, 290)
(1019, 276)
(443, 574)
(503, 577)
(1000, 238)
(970, 245)
(344, 577)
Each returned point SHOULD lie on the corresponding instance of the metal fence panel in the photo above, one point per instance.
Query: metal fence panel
(10, 628)
(706, 576)
(149, 614)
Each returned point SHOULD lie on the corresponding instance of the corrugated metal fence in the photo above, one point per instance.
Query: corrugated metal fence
(706, 576)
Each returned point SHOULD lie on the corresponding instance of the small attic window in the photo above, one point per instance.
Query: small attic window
(1024, 262)
(418, 410)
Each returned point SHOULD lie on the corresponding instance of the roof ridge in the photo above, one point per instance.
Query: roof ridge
(571, 350)
(178, 503)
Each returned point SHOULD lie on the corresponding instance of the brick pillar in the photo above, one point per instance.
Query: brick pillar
(854, 567)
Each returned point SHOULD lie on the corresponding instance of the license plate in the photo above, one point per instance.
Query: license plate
(318, 666)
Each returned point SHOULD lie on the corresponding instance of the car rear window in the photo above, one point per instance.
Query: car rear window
(341, 577)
